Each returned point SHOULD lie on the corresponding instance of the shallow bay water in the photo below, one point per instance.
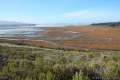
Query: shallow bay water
(12, 31)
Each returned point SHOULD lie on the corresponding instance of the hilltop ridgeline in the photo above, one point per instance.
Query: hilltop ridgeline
(112, 24)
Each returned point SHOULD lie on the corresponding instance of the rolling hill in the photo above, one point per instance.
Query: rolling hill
(13, 23)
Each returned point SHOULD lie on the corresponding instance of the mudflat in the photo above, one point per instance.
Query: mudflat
(74, 37)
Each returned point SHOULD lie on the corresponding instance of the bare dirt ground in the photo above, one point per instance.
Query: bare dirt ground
(86, 37)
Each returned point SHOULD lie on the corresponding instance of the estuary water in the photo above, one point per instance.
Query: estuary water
(12, 31)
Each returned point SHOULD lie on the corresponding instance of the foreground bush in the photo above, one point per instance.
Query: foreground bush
(49, 64)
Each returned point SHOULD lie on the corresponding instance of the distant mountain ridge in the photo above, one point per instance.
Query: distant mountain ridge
(8, 22)
(112, 24)
(12, 23)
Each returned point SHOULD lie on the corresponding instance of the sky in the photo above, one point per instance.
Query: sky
(60, 11)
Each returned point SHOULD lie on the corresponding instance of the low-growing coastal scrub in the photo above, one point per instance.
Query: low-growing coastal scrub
(27, 63)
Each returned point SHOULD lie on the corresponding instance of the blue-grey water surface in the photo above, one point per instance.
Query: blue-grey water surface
(11, 31)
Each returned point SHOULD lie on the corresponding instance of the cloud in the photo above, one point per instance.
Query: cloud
(90, 16)
(76, 14)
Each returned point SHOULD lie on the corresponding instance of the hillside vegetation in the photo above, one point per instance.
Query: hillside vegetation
(112, 24)
(20, 62)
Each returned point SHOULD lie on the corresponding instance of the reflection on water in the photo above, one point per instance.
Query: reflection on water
(12, 31)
